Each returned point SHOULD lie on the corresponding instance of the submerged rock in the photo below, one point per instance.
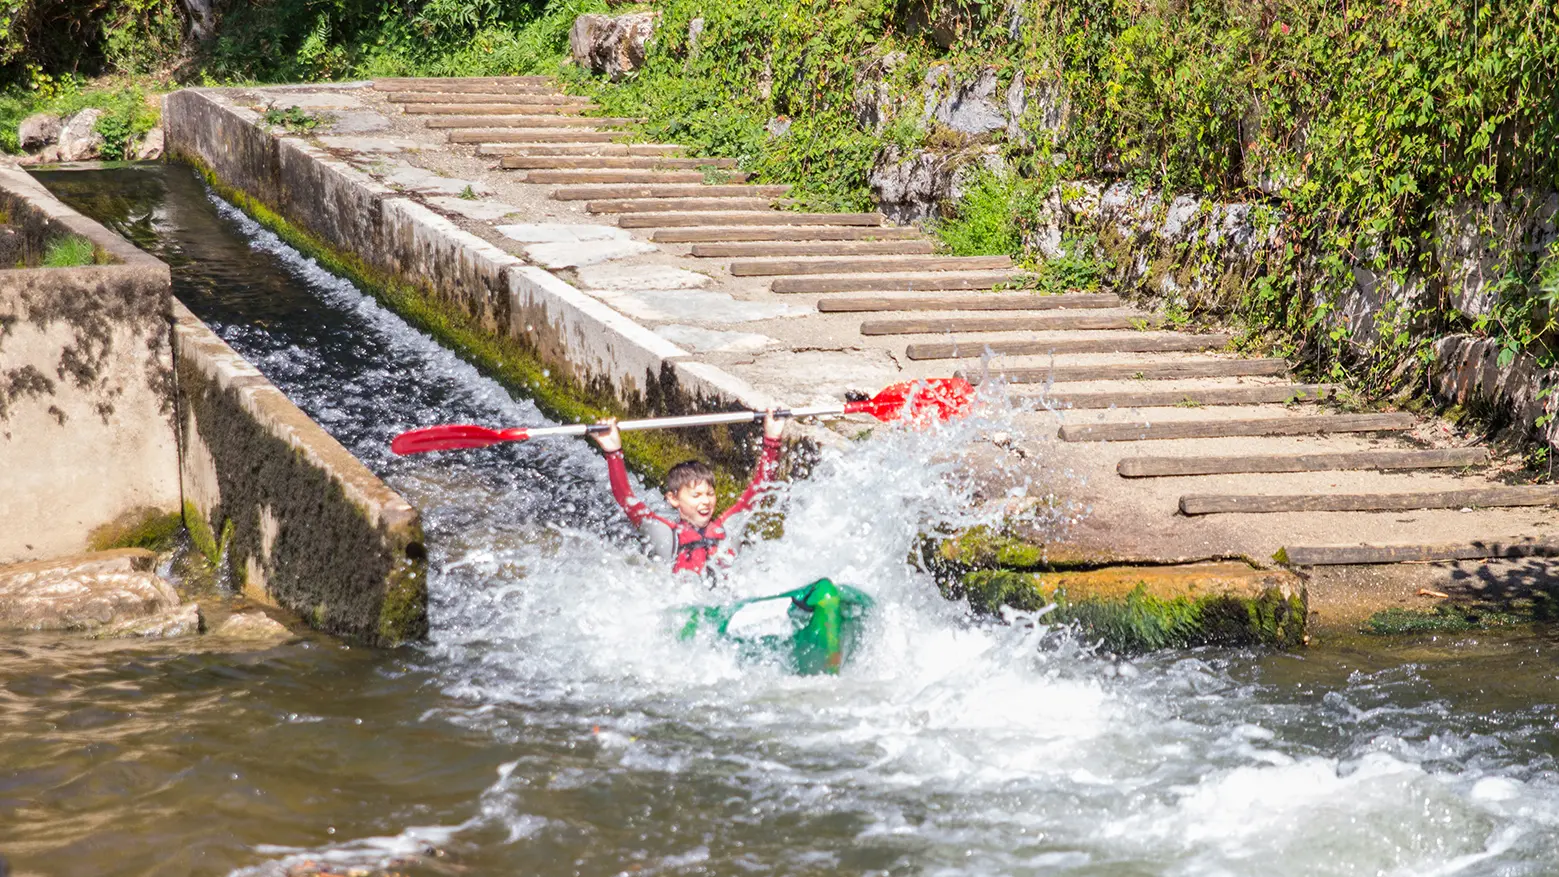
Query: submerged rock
(253, 627)
(180, 621)
(38, 130)
(84, 592)
(615, 45)
(79, 139)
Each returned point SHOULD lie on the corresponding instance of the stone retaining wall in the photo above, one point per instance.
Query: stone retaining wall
(86, 386)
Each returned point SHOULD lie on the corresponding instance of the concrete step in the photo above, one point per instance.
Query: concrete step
(1376, 459)
(609, 162)
(756, 217)
(714, 234)
(978, 301)
(509, 109)
(1169, 369)
(610, 176)
(448, 97)
(1193, 397)
(865, 265)
(1013, 322)
(578, 149)
(934, 280)
(1317, 424)
(489, 136)
(588, 123)
(649, 205)
(1478, 497)
(1107, 342)
(815, 248)
(663, 194)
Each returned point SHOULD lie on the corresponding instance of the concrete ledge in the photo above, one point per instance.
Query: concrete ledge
(293, 517)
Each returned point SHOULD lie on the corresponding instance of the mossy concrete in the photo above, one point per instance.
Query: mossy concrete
(1127, 608)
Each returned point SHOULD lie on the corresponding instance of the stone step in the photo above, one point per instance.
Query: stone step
(980, 301)
(611, 176)
(647, 205)
(1114, 342)
(1481, 549)
(1172, 369)
(608, 162)
(714, 234)
(815, 248)
(938, 280)
(1310, 424)
(666, 192)
(1267, 394)
(588, 123)
(1523, 496)
(509, 109)
(1044, 322)
(755, 217)
(865, 265)
(487, 136)
(454, 97)
(1378, 460)
(578, 149)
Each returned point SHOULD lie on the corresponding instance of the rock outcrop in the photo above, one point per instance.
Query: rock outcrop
(79, 139)
(918, 186)
(84, 592)
(611, 44)
(38, 130)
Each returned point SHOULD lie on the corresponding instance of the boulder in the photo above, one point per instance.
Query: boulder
(971, 107)
(150, 147)
(615, 45)
(84, 592)
(918, 186)
(252, 627)
(38, 130)
(183, 620)
(79, 139)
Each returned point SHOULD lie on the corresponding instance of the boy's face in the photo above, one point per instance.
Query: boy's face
(694, 502)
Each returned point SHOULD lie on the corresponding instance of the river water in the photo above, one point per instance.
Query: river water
(551, 727)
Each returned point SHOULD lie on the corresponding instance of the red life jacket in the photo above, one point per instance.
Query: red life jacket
(696, 547)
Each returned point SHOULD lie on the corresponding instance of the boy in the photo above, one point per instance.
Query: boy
(695, 537)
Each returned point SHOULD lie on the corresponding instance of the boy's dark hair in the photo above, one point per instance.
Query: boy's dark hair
(688, 474)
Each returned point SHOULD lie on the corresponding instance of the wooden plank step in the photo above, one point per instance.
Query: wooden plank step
(1124, 342)
(1315, 424)
(757, 217)
(674, 190)
(647, 205)
(391, 81)
(669, 149)
(935, 280)
(1482, 549)
(1484, 497)
(815, 248)
(610, 176)
(1145, 371)
(588, 123)
(1267, 394)
(491, 109)
(1442, 458)
(865, 265)
(531, 135)
(449, 97)
(1045, 322)
(456, 86)
(982, 301)
(715, 234)
(609, 162)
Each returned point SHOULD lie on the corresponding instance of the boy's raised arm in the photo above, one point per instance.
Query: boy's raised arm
(611, 442)
(768, 461)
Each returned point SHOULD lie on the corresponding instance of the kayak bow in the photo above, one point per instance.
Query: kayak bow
(824, 622)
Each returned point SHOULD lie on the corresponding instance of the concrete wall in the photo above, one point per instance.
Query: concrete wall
(297, 520)
(600, 352)
(86, 386)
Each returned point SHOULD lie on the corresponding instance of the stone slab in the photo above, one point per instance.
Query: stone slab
(376, 145)
(626, 278)
(692, 305)
(358, 123)
(79, 594)
(480, 210)
(549, 232)
(415, 179)
(701, 340)
(312, 100)
(565, 254)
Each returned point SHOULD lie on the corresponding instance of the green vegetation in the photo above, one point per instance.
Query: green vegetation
(1445, 618)
(127, 112)
(152, 531)
(294, 119)
(69, 251)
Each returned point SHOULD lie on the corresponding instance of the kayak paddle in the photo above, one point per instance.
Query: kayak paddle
(938, 398)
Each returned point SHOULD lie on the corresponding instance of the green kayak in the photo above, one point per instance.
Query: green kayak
(814, 630)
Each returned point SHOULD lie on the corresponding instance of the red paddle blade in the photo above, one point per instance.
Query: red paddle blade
(933, 398)
(453, 437)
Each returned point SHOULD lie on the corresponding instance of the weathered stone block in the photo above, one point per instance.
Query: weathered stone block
(38, 130)
(615, 45)
(79, 139)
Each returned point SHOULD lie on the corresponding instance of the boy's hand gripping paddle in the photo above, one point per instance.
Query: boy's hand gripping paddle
(931, 399)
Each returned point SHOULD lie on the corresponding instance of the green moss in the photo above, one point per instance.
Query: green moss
(200, 533)
(154, 531)
(1445, 618)
(403, 614)
(982, 547)
(651, 453)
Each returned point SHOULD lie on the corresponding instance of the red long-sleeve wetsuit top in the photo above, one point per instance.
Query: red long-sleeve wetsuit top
(690, 548)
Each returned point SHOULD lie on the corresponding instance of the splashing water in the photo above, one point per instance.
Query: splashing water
(572, 734)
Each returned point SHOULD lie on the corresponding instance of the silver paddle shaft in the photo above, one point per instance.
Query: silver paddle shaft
(685, 421)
